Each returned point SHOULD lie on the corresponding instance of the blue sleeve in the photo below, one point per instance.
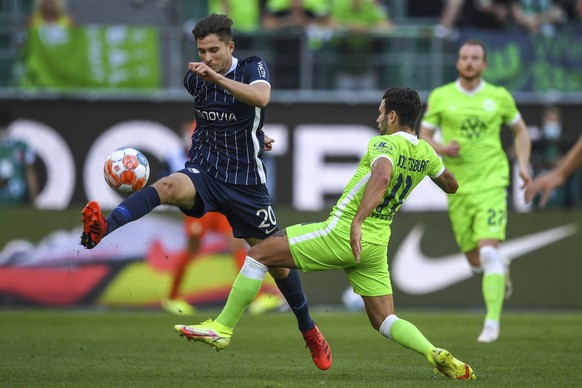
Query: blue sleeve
(256, 69)
(187, 77)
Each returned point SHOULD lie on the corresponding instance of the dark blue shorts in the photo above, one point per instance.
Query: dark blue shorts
(247, 208)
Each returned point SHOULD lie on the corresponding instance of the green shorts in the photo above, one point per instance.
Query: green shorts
(478, 217)
(317, 247)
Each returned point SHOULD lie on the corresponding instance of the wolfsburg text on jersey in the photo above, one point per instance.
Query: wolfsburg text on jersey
(411, 164)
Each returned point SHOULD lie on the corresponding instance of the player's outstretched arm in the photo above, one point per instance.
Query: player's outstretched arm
(572, 160)
(447, 182)
(451, 149)
(373, 195)
(258, 94)
(546, 183)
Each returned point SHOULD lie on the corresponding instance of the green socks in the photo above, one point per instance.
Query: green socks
(244, 291)
(408, 335)
(493, 293)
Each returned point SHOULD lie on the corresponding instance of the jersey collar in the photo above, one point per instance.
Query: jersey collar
(410, 137)
(234, 65)
(469, 92)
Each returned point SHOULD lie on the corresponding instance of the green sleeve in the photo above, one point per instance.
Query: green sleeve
(510, 111)
(431, 118)
(381, 146)
(277, 5)
(435, 165)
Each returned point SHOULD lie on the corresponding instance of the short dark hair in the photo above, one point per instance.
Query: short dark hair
(406, 103)
(476, 42)
(218, 24)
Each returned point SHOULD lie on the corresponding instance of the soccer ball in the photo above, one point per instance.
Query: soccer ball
(126, 170)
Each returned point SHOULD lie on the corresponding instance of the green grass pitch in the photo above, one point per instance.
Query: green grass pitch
(50, 348)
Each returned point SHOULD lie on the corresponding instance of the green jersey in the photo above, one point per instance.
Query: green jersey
(369, 13)
(244, 14)
(412, 159)
(318, 8)
(474, 120)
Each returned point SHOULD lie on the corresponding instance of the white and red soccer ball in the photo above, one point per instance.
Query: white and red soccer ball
(126, 170)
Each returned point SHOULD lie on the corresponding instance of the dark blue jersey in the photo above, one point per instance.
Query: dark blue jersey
(228, 141)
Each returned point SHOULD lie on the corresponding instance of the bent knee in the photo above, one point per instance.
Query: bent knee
(279, 273)
(165, 188)
(491, 260)
(176, 189)
(473, 258)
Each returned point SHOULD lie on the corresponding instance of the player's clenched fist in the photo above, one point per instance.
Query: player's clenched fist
(200, 69)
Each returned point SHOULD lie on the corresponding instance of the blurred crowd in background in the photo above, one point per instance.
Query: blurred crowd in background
(308, 45)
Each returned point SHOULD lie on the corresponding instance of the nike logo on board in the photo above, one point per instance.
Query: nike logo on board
(416, 274)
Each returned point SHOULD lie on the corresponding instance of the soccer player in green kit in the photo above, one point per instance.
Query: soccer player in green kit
(470, 113)
(354, 237)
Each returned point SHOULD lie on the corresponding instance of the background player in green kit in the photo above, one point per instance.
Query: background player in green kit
(354, 237)
(470, 113)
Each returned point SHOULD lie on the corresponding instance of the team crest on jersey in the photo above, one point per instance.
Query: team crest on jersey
(472, 128)
(489, 105)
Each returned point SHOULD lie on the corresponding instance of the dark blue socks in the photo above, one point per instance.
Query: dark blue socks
(291, 289)
(132, 208)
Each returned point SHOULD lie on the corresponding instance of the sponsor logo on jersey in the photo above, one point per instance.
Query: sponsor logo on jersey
(472, 128)
(383, 147)
(262, 71)
(215, 116)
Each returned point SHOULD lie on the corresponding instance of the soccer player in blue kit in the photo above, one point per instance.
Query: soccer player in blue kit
(225, 172)
(354, 237)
